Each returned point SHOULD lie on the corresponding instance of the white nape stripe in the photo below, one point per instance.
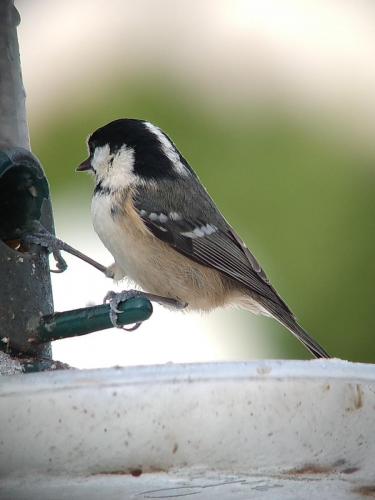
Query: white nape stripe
(199, 232)
(168, 149)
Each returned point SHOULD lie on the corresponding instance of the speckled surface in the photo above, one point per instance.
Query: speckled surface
(9, 365)
(266, 429)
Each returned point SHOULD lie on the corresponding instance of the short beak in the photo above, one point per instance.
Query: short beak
(85, 165)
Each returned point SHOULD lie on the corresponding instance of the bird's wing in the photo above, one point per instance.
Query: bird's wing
(193, 226)
(204, 236)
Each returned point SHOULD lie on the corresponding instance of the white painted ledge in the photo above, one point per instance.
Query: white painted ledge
(265, 429)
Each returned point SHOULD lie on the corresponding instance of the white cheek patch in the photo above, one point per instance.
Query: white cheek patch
(168, 149)
(122, 170)
(100, 158)
(115, 171)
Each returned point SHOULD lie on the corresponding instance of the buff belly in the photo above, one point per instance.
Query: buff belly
(152, 264)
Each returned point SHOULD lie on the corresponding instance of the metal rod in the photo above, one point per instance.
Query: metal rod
(86, 320)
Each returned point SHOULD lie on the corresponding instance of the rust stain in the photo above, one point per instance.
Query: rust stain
(350, 470)
(135, 472)
(111, 473)
(16, 245)
(366, 491)
(122, 472)
(316, 469)
(310, 469)
(358, 398)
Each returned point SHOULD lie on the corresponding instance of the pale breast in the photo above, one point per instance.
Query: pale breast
(151, 263)
(111, 234)
(122, 232)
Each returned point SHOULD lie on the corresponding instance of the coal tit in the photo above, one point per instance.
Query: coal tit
(165, 232)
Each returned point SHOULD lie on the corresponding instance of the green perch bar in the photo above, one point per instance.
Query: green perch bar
(62, 325)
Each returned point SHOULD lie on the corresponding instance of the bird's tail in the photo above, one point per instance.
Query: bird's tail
(287, 319)
(311, 344)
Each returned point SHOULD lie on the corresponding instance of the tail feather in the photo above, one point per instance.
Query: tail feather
(311, 344)
(286, 318)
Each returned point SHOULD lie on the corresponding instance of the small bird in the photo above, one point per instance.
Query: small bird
(166, 234)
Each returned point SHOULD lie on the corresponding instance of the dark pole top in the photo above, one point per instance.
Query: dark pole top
(25, 291)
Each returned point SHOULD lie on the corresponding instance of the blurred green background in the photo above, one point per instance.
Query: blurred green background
(297, 181)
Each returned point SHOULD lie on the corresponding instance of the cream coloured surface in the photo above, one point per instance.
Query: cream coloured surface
(266, 430)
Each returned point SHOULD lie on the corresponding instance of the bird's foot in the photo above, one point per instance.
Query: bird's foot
(52, 244)
(114, 299)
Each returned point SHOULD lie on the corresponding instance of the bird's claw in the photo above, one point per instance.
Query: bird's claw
(52, 244)
(114, 299)
(61, 264)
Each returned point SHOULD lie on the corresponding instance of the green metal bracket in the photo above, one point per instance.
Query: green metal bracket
(62, 325)
(67, 324)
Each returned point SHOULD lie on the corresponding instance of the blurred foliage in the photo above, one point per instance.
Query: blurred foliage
(303, 203)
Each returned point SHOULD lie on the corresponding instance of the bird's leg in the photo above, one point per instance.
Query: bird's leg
(115, 272)
(54, 245)
(114, 299)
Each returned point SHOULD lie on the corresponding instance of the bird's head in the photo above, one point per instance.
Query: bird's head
(128, 151)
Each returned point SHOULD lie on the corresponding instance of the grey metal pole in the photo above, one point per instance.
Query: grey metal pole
(25, 285)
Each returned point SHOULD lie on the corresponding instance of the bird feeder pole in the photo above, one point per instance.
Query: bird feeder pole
(25, 285)
(13, 121)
